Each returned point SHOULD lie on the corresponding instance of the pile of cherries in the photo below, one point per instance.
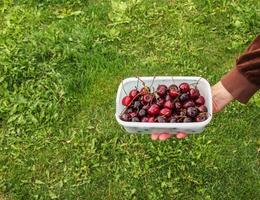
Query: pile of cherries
(171, 104)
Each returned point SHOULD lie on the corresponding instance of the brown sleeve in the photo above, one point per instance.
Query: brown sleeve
(243, 80)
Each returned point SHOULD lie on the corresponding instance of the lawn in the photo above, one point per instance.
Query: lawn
(60, 65)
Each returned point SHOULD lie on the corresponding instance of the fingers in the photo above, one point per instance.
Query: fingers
(165, 136)
(155, 136)
(181, 135)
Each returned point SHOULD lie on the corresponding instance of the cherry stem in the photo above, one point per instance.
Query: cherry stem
(176, 99)
(137, 84)
(180, 116)
(196, 83)
(152, 82)
(141, 81)
(173, 80)
(123, 87)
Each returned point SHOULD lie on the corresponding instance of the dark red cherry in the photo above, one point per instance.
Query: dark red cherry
(142, 113)
(137, 105)
(126, 101)
(147, 98)
(168, 98)
(173, 86)
(168, 104)
(125, 117)
(161, 119)
(200, 101)
(135, 119)
(145, 107)
(145, 119)
(192, 111)
(174, 93)
(154, 110)
(160, 102)
(184, 97)
(161, 90)
(133, 114)
(129, 110)
(188, 103)
(133, 93)
(178, 105)
(201, 117)
(166, 112)
(194, 93)
(151, 119)
(173, 119)
(184, 87)
(203, 108)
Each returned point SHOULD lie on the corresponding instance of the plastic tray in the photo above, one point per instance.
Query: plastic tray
(172, 128)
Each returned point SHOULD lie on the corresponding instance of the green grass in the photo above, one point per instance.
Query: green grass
(60, 65)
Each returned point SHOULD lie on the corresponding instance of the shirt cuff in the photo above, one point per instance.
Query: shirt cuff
(238, 86)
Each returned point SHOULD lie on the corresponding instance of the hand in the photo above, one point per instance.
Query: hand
(165, 136)
(220, 98)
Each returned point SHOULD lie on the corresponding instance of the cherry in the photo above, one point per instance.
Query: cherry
(129, 110)
(203, 108)
(184, 97)
(173, 86)
(137, 105)
(187, 119)
(142, 113)
(194, 93)
(133, 93)
(168, 104)
(168, 98)
(145, 107)
(174, 105)
(160, 102)
(135, 119)
(133, 114)
(154, 110)
(201, 117)
(161, 90)
(173, 92)
(160, 119)
(200, 101)
(192, 111)
(125, 117)
(145, 119)
(184, 87)
(151, 119)
(147, 98)
(165, 112)
(173, 119)
(188, 103)
(178, 105)
(126, 101)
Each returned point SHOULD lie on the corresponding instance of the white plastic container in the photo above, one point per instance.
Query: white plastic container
(172, 128)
